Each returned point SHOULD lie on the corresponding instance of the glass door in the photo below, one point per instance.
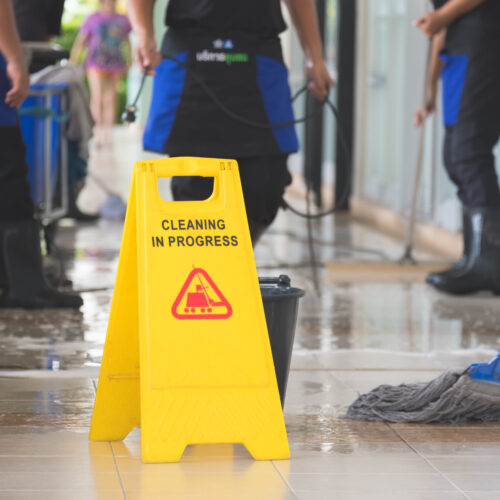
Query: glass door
(392, 56)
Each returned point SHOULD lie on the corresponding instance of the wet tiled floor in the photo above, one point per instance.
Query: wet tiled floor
(364, 329)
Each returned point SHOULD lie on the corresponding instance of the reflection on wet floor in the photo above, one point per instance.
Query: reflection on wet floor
(369, 325)
(390, 316)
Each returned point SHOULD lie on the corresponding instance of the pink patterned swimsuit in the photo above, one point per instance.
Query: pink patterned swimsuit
(105, 35)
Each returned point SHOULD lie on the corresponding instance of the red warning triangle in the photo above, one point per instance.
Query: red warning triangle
(200, 298)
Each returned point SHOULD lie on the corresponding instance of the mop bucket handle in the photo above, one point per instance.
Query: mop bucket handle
(282, 280)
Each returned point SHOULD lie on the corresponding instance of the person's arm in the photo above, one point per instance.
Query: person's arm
(10, 46)
(305, 20)
(140, 13)
(128, 52)
(127, 46)
(434, 72)
(435, 21)
(78, 46)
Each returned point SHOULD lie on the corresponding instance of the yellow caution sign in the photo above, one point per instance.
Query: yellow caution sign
(187, 354)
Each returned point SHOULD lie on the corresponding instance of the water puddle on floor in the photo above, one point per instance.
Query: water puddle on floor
(348, 315)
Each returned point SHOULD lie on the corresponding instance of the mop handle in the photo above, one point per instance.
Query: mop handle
(420, 158)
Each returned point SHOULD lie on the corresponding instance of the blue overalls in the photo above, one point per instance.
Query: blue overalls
(471, 102)
(15, 200)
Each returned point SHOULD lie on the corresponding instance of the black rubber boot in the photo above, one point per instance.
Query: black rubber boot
(482, 270)
(436, 279)
(21, 265)
(256, 230)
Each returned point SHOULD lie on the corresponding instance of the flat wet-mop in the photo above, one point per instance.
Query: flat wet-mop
(453, 397)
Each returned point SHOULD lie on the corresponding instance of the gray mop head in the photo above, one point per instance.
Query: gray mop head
(453, 397)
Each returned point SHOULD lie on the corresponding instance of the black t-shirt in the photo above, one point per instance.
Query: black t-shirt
(259, 17)
(477, 31)
(37, 20)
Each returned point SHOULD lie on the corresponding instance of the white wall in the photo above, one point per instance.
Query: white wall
(391, 58)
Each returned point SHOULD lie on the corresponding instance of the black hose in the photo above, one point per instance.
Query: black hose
(129, 115)
(306, 118)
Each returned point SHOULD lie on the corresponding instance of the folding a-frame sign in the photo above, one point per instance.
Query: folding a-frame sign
(187, 354)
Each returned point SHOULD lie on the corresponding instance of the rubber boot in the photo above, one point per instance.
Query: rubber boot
(482, 270)
(256, 230)
(435, 279)
(53, 273)
(21, 264)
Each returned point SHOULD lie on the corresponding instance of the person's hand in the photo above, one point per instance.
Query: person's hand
(146, 54)
(20, 83)
(320, 81)
(430, 108)
(431, 23)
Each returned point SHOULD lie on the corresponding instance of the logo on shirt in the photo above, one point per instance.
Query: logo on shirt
(223, 44)
(222, 57)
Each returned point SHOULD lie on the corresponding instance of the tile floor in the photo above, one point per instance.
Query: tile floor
(364, 329)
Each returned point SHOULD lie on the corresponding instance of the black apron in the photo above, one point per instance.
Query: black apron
(471, 74)
(471, 95)
(246, 73)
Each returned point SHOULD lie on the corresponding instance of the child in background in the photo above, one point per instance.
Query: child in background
(104, 33)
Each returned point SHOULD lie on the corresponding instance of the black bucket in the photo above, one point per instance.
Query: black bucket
(281, 303)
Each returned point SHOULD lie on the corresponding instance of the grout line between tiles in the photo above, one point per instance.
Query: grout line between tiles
(355, 370)
(423, 457)
(118, 471)
(288, 485)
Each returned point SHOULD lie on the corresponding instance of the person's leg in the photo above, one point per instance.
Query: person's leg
(437, 279)
(263, 180)
(192, 188)
(22, 281)
(15, 198)
(96, 84)
(449, 163)
(471, 163)
(110, 97)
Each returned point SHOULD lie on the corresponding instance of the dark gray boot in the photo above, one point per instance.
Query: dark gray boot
(21, 266)
(482, 270)
(436, 279)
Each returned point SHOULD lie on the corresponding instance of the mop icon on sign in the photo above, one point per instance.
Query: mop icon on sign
(200, 298)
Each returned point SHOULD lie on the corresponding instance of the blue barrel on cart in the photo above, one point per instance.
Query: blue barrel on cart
(41, 115)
